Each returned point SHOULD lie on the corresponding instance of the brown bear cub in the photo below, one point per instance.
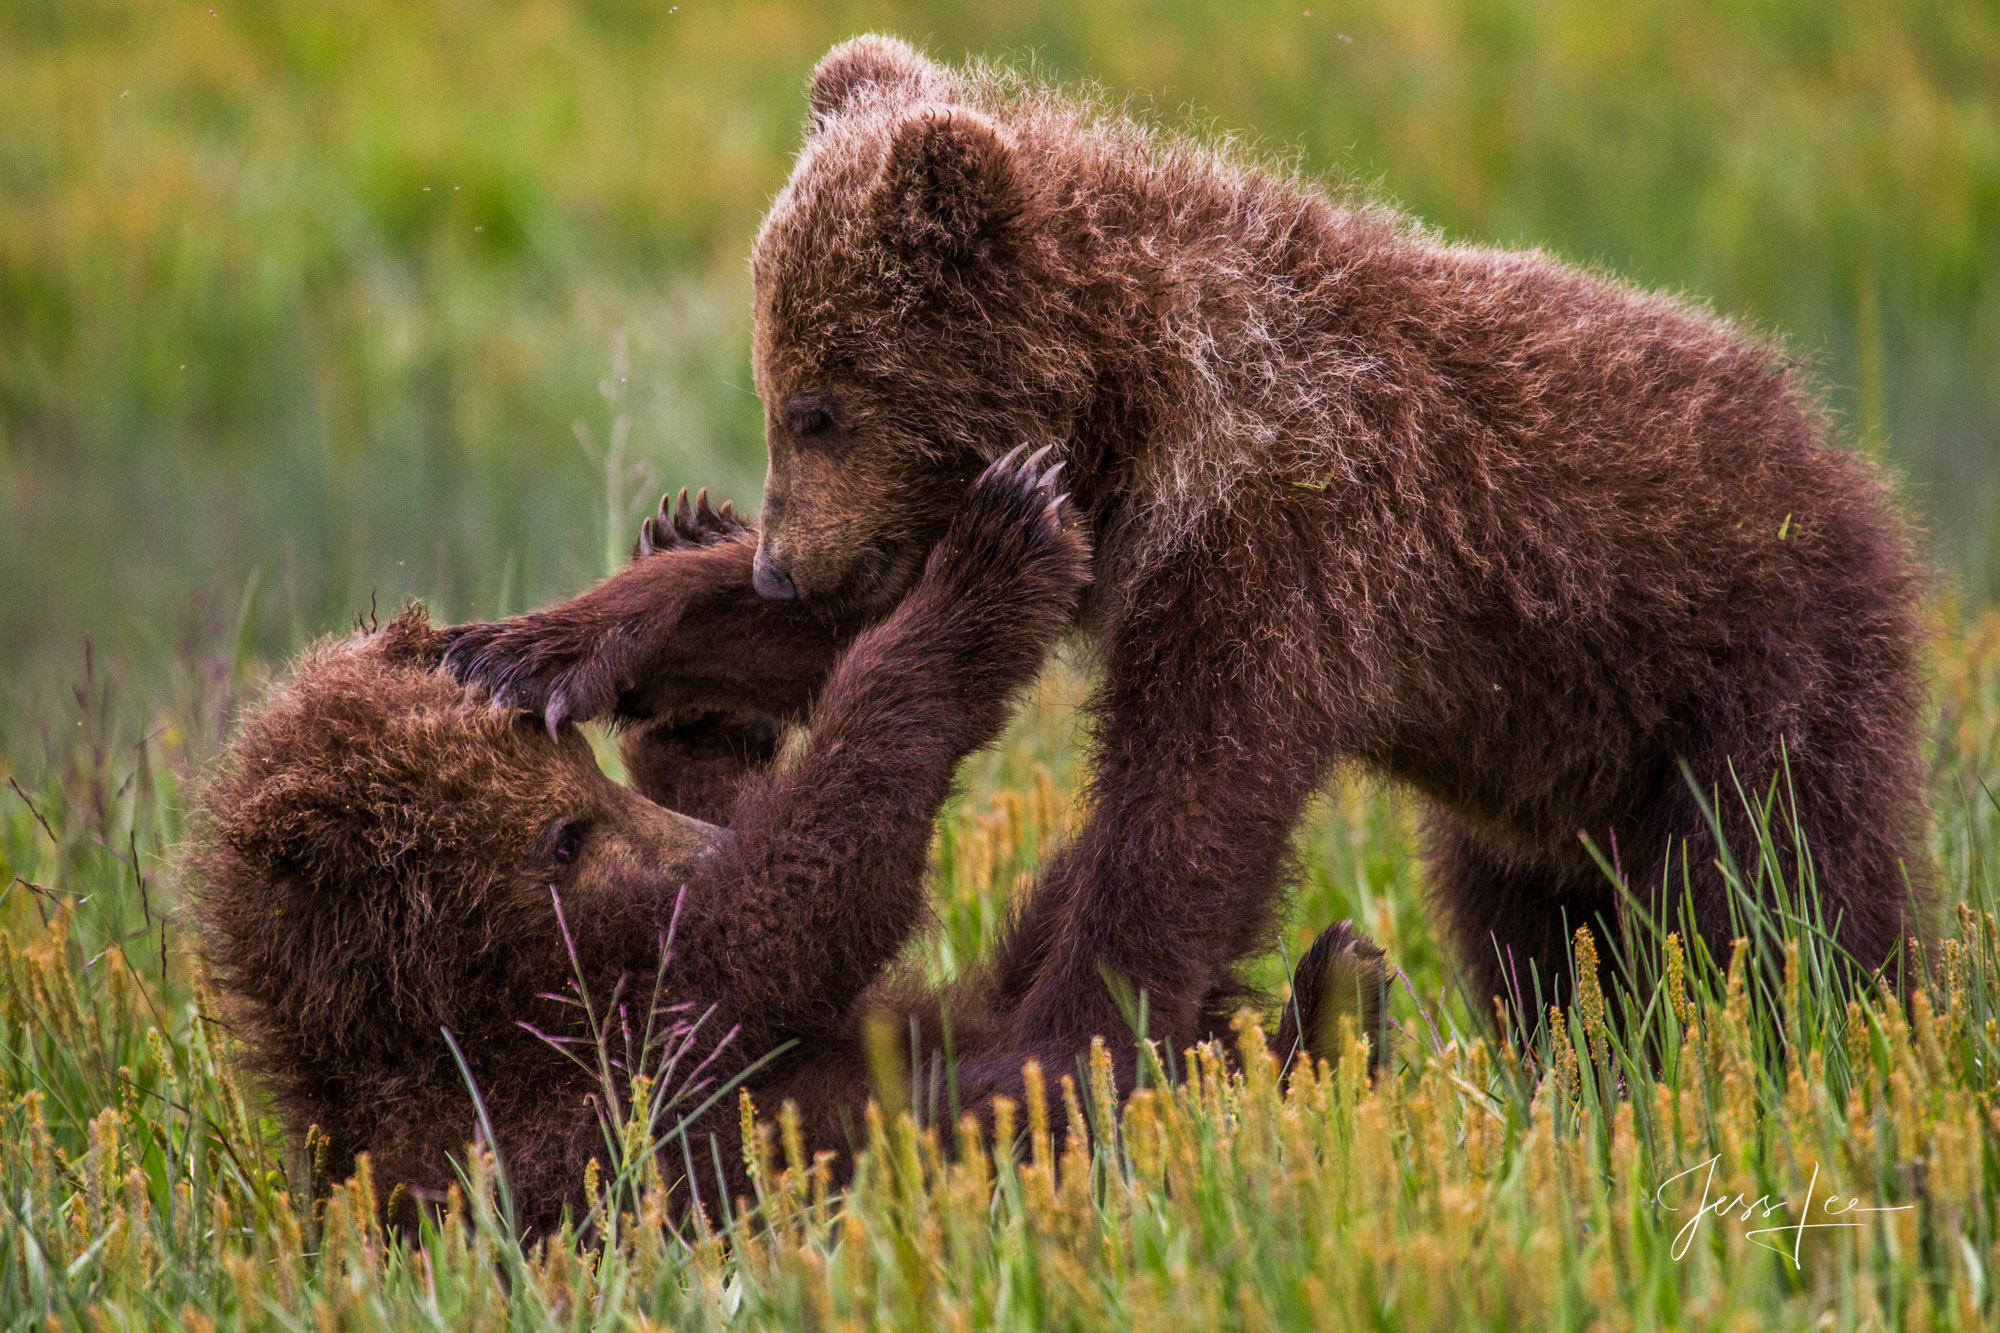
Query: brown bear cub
(1554, 553)
(383, 857)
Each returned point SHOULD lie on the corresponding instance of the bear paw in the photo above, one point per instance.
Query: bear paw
(679, 527)
(1016, 526)
(543, 663)
(1344, 974)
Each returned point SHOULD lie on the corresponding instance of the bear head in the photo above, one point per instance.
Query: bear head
(908, 326)
(380, 853)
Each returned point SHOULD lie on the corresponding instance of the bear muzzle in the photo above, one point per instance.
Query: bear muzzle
(772, 583)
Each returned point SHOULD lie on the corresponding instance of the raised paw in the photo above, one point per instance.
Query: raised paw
(542, 663)
(680, 526)
(1017, 523)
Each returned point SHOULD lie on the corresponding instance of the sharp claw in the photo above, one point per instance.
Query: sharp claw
(1034, 460)
(703, 514)
(1005, 462)
(553, 716)
(1048, 478)
(683, 516)
(724, 513)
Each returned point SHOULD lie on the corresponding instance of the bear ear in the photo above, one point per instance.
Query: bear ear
(871, 64)
(292, 825)
(409, 639)
(948, 187)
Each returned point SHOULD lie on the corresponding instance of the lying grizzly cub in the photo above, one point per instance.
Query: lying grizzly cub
(1553, 552)
(384, 857)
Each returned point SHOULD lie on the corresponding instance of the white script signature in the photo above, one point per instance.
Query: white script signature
(1760, 1209)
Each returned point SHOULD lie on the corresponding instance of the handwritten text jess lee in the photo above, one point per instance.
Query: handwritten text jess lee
(1759, 1209)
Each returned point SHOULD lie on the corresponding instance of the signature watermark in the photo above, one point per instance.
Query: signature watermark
(1760, 1209)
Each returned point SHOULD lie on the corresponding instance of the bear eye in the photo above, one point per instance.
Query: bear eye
(808, 418)
(568, 844)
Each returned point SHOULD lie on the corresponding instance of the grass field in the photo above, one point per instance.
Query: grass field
(304, 306)
(1481, 1183)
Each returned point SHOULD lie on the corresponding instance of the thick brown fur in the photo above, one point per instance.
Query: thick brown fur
(1515, 534)
(1344, 974)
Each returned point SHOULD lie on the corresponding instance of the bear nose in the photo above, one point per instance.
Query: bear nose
(771, 583)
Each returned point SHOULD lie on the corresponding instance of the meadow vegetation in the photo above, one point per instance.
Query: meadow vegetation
(1487, 1180)
(304, 307)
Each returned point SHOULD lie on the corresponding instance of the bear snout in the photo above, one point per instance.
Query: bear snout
(771, 582)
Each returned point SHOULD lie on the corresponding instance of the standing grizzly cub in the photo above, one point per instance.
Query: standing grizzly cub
(1551, 551)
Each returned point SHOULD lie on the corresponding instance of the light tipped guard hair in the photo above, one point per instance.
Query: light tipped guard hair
(872, 66)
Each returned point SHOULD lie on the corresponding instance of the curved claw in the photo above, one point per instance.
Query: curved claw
(654, 528)
(1034, 460)
(1004, 463)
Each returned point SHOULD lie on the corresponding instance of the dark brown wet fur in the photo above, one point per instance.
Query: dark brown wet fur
(1343, 975)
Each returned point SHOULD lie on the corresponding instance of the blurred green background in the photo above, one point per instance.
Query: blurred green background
(308, 304)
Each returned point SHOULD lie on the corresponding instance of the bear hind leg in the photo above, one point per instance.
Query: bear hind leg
(1511, 919)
